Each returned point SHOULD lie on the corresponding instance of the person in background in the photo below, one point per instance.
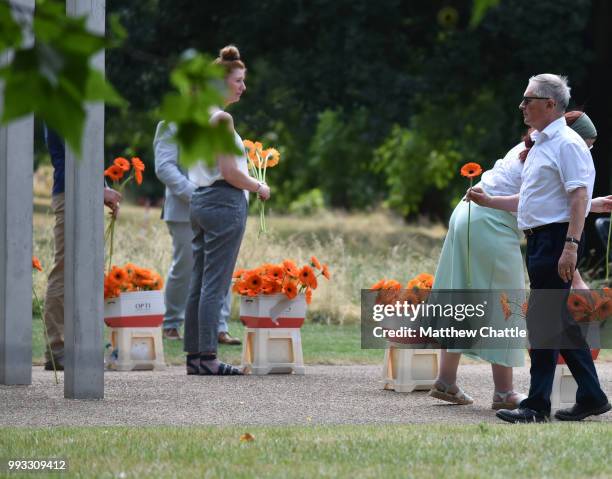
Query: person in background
(53, 315)
(175, 213)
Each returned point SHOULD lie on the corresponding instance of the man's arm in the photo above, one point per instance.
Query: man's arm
(166, 164)
(579, 201)
(480, 197)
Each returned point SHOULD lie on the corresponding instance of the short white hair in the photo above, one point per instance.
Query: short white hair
(552, 86)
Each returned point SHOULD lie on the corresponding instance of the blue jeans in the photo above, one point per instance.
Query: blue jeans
(218, 219)
(179, 274)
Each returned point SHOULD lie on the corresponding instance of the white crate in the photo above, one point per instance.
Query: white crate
(407, 370)
(135, 309)
(273, 311)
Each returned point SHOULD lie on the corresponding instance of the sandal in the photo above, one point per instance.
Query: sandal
(440, 390)
(224, 370)
(503, 400)
(193, 365)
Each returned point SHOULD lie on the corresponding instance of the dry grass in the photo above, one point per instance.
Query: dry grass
(359, 248)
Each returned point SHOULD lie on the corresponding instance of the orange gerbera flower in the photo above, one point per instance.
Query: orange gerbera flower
(315, 262)
(413, 284)
(290, 289)
(308, 295)
(579, 307)
(471, 170)
(118, 275)
(378, 285)
(392, 284)
(258, 146)
(248, 144)
(114, 173)
(603, 308)
(36, 263)
(307, 277)
(325, 271)
(271, 157)
(138, 176)
(130, 269)
(426, 280)
(238, 273)
(138, 164)
(122, 163)
(240, 287)
(275, 273)
(505, 304)
(254, 282)
(291, 268)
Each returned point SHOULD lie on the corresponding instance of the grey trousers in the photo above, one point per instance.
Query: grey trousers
(218, 219)
(179, 275)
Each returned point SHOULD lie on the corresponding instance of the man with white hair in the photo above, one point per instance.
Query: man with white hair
(555, 196)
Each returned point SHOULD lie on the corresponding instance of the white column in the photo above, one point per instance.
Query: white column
(84, 242)
(16, 164)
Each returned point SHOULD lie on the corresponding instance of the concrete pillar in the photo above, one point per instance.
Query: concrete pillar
(84, 242)
(16, 164)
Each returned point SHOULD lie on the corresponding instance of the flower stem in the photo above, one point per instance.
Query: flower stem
(608, 250)
(469, 275)
(47, 341)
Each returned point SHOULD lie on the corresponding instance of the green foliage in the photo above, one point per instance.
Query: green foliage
(341, 158)
(53, 78)
(199, 85)
(10, 31)
(480, 9)
(308, 203)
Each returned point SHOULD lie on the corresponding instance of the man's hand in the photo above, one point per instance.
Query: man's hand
(478, 196)
(567, 262)
(602, 204)
(112, 199)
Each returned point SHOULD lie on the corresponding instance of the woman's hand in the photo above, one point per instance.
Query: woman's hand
(478, 196)
(602, 204)
(264, 192)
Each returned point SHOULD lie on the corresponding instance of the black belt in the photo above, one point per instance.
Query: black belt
(222, 183)
(531, 231)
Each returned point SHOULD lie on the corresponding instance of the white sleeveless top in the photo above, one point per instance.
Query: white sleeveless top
(203, 175)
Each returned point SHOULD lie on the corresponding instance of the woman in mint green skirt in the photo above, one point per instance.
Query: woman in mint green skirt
(496, 263)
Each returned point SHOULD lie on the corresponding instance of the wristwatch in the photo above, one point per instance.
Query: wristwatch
(571, 239)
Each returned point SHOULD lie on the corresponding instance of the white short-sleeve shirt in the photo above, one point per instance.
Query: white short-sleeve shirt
(504, 179)
(558, 163)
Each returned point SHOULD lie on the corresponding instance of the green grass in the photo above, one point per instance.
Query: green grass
(479, 451)
(322, 344)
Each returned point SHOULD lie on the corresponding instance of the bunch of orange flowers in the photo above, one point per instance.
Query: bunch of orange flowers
(259, 162)
(115, 172)
(128, 278)
(590, 305)
(416, 290)
(121, 167)
(285, 277)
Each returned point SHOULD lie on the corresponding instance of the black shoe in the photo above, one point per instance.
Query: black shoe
(522, 415)
(59, 365)
(578, 412)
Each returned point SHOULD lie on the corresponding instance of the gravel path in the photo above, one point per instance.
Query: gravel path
(325, 395)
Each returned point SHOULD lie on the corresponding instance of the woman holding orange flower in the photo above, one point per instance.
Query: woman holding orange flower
(495, 263)
(218, 218)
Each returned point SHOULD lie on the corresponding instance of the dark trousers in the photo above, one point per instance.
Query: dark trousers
(544, 248)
